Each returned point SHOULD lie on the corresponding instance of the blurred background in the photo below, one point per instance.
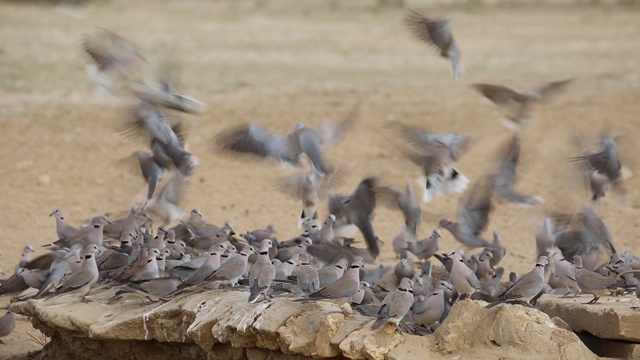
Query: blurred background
(276, 63)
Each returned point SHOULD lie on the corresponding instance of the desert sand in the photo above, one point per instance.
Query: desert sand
(282, 63)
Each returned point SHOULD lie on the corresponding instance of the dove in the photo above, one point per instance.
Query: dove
(505, 176)
(357, 209)
(424, 249)
(430, 310)
(404, 268)
(161, 92)
(463, 279)
(60, 268)
(545, 238)
(262, 273)
(565, 271)
(25, 258)
(493, 287)
(436, 31)
(359, 295)
(326, 231)
(284, 269)
(484, 269)
(517, 104)
(603, 167)
(287, 148)
(232, 269)
(526, 287)
(81, 279)
(7, 324)
(113, 55)
(498, 251)
(63, 228)
(396, 304)
(344, 287)
(92, 234)
(166, 204)
(473, 215)
(307, 277)
(580, 232)
(591, 282)
(309, 189)
(330, 274)
(435, 154)
(150, 270)
(205, 270)
(405, 201)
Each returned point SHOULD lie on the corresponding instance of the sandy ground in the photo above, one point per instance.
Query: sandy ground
(277, 65)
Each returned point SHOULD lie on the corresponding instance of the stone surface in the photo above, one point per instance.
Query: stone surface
(506, 331)
(615, 318)
(221, 324)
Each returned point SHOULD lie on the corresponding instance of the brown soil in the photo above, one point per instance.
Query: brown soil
(278, 65)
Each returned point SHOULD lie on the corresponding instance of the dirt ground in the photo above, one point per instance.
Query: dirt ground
(280, 63)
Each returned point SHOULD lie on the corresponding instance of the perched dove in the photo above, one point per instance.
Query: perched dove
(396, 304)
(526, 287)
(262, 273)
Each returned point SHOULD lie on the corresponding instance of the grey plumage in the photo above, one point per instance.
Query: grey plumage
(518, 105)
(262, 273)
(505, 176)
(473, 215)
(436, 31)
(527, 286)
(396, 304)
(357, 209)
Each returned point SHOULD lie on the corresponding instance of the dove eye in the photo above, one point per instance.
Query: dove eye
(96, 226)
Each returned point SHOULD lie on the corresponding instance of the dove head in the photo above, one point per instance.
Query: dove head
(56, 212)
(443, 285)
(196, 212)
(365, 284)
(437, 233)
(272, 228)
(542, 260)
(406, 284)
(444, 223)
(93, 249)
(276, 262)
(266, 245)
(153, 252)
(28, 249)
(304, 258)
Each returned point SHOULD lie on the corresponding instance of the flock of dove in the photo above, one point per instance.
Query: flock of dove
(186, 253)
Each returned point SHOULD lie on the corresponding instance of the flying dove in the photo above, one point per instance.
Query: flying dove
(113, 55)
(497, 249)
(357, 209)
(309, 189)
(436, 31)
(505, 176)
(396, 304)
(526, 287)
(287, 148)
(602, 167)
(405, 201)
(518, 105)
(473, 215)
(262, 273)
(579, 232)
(435, 154)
